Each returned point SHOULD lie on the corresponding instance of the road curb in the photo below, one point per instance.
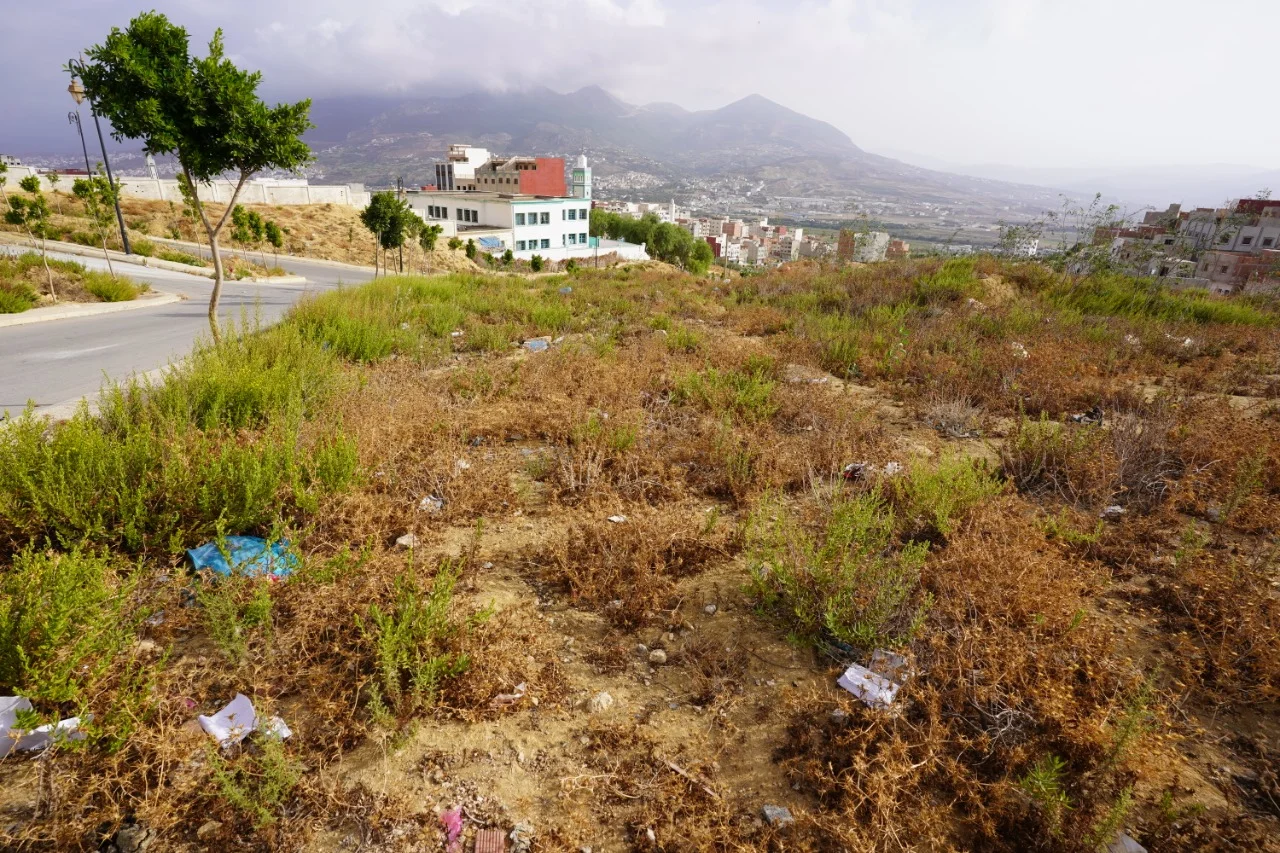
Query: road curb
(186, 244)
(91, 309)
(144, 261)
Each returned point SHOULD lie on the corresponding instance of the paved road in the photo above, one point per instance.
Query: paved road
(58, 362)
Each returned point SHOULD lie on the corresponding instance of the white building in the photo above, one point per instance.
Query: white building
(553, 227)
(461, 165)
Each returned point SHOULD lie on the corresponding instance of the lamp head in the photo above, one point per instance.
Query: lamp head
(77, 91)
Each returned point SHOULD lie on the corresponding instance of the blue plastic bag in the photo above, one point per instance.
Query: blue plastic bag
(250, 555)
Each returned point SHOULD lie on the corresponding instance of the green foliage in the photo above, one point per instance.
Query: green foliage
(1117, 295)
(387, 217)
(746, 393)
(257, 782)
(236, 609)
(63, 618)
(1134, 722)
(700, 258)
(839, 578)
(110, 289)
(1045, 785)
(428, 235)
(507, 257)
(410, 642)
(683, 339)
(99, 199)
(15, 296)
(145, 248)
(455, 243)
(535, 263)
(930, 499)
(1106, 827)
(471, 249)
(274, 235)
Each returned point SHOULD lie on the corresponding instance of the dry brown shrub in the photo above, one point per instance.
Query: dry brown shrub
(629, 569)
(758, 320)
(1010, 671)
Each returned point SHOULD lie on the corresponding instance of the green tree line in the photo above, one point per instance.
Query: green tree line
(665, 241)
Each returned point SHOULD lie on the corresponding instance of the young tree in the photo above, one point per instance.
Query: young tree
(258, 231)
(507, 258)
(387, 218)
(53, 178)
(4, 179)
(99, 199)
(204, 111)
(275, 237)
(700, 258)
(427, 237)
(241, 230)
(471, 249)
(535, 263)
(455, 243)
(33, 215)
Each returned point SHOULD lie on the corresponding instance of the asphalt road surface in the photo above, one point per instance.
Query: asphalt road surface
(56, 363)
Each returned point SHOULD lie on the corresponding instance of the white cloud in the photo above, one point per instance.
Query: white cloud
(1024, 82)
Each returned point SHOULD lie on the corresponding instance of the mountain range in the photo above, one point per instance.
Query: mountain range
(661, 147)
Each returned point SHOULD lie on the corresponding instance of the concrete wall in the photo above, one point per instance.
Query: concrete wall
(254, 192)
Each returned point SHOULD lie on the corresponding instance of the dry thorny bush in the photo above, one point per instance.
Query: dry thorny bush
(1029, 721)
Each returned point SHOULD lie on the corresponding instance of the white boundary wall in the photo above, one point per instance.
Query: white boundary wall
(264, 191)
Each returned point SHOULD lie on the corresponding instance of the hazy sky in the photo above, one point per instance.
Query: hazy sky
(1049, 83)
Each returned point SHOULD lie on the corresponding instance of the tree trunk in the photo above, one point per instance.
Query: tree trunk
(102, 234)
(44, 254)
(211, 231)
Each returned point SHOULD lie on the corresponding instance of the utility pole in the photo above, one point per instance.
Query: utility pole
(78, 94)
(73, 117)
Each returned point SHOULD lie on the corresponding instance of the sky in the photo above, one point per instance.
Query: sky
(1065, 84)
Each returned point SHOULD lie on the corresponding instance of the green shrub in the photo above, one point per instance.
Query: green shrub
(1123, 296)
(840, 578)
(110, 289)
(145, 248)
(746, 393)
(930, 499)
(236, 610)
(683, 339)
(181, 258)
(17, 297)
(410, 643)
(63, 618)
(257, 782)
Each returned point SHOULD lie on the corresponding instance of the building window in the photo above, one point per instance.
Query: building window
(1267, 241)
(1222, 268)
(460, 212)
(582, 238)
(573, 215)
(519, 245)
(546, 218)
(582, 214)
(1246, 241)
(546, 244)
(573, 239)
(519, 218)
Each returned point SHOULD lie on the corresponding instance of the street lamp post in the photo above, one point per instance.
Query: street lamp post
(73, 117)
(78, 93)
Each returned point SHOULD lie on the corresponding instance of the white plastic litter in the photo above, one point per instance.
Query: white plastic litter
(276, 729)
(431, 504)
(618, 519)
(15, 739)
(1123, 843)
(892, 666)
(504, 699)
(232, 723)
(873, 689)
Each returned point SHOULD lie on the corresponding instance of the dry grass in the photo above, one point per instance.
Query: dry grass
(1070, 675)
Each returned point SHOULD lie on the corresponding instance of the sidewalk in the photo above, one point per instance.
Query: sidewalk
(139, 260)
(70, 310)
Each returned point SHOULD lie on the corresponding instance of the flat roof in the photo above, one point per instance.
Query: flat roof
(491, 196)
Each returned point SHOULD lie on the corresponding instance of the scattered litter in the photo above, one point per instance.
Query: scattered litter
(477, 441)
(839, 715)
(522, 837)
(1093, 416)
(1123, 843)
(456, 333)
(208, 828)
(490, 841)
(1019, 350)
(874, 690)
(276, 729)
(857, 471)
(407, 541)
(404, 327)
(600, 702)
(451, 820)
(1112, 512)
(504, 699)
(976, 305)
(566, 290)
(657, 656)
(892, 666)
(13, 738)
(460, 466)
(537, 345)
(778, 816)
(651, 835)
(710, 610)
(251, 555)
(891, 469)
(431, 504)
(133, 837)
(155, 619)
(1132, 340)
(487, 566)
(618, 519)
(234, 722)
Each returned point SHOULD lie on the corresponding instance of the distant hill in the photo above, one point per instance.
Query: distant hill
(754, 139)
